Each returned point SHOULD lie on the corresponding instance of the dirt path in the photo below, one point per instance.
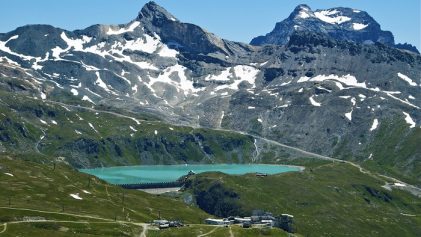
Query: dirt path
(210, 232)
(4, 228)
(144, 230)
(231, 234)
(58, 213)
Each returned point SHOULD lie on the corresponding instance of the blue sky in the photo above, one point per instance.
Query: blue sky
(238, 20)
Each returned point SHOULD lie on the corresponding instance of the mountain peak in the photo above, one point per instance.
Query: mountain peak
(154, 12)
(301, 11)
(340, 23)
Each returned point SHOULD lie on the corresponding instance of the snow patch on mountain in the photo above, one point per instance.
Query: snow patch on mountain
(407, 79)
(77, 44)
(374, 125)
(120, 31)
(349, 114)
(93, 128)
(75, 196)
(86, 98)
(331, 16)
(242, 73)
(6, 49)
(358, 26)
(224, 75)
(175, 76)
(314, 103)
(74, 92)
(347, 80)
(409, 120)
(101, 83)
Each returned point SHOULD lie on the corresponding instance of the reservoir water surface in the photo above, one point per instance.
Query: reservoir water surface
(170, 173)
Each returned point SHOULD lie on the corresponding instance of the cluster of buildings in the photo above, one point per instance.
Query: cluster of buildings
(284, 221)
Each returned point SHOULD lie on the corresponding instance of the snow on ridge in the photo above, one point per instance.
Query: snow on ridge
(347, 80)
(118, 48)
(43, 95)
(183, 84)
(99, 82)
(77, 44)
(313, 102)
(224, 75)
(132, 128)
(151, 45)
(6, 49)
(303, 14)
(359, 26)
(74, 92)
(130, 28)
(349, 114)
(407, 79)
(86, 98)
(374, 125)
(409, 120)
(326, 16)
(93, 128)
(241, 73)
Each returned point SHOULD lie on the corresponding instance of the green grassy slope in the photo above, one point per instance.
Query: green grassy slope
(37, 186)
(92, 138)
(396, 151)
(237, 231)
(30, 192)
(333, 199)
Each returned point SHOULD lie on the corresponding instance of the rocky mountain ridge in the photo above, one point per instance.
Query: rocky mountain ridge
(313, 91)
(339, 23)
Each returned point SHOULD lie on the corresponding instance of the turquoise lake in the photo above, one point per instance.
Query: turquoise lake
(169, 173)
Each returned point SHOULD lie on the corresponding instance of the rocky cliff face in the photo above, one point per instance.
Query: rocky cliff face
(315, 90)
(339, 23)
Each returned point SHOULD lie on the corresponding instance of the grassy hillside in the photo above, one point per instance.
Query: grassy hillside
(87, 137)
(32, 191)
(331, 199)
(210, 231)
(396, 151)
(37, 186)
(36, 201)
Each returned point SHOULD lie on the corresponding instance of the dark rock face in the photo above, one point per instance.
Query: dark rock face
(339, 23)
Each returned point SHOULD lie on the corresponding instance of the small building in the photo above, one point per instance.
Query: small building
(269, 223)
(211, 221)
(241, 220)
(161, 224)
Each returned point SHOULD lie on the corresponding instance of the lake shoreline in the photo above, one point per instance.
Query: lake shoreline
(150, 174)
